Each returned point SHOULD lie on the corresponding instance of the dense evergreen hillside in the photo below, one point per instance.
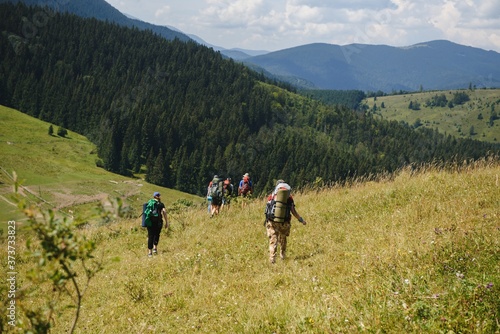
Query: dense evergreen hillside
(101, 10)
(349, 98)
(186, 113)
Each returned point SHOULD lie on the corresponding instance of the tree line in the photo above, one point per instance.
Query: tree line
(186, 113)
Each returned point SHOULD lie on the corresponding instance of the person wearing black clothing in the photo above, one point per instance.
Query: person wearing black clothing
(156, 225)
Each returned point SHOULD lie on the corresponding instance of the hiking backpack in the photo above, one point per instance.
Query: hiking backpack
(143, 215)
(228, 188)
(278, 208)
(150, 212)
(216, 189)
(245, 187)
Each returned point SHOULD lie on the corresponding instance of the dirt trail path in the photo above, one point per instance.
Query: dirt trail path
(65, 197)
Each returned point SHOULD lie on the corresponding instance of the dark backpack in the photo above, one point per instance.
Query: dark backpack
(228, 189)
(245, 187)
(143, 215)
(279, 208)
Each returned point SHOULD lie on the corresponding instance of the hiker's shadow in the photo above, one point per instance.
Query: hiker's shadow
(310, 255)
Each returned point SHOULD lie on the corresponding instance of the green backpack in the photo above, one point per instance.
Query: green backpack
(150, 213)
(217, 188)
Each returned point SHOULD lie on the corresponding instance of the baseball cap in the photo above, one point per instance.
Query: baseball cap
(156, 194)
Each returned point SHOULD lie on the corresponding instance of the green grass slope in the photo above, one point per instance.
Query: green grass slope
(414, 253)
(61, 173)
(456, 121)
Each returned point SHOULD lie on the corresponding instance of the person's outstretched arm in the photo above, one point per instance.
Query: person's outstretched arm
(297, 215)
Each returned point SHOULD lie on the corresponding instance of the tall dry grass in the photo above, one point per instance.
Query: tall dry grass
(414, 252)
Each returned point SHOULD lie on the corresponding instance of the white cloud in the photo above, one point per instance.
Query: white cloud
(162, 12)
(279, 24)
(446, 18)
(225, 13)
(303, 13)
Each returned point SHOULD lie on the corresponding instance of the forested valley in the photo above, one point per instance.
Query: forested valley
(184, 112)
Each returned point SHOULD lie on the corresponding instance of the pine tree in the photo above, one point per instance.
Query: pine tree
(158, 174)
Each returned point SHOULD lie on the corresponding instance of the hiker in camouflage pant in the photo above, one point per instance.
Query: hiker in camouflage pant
(278, 232)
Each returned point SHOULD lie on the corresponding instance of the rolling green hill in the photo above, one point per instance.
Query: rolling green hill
(61, 173)
(186, 113)
(456, 121)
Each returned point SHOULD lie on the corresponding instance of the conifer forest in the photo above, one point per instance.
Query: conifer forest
(182, 112)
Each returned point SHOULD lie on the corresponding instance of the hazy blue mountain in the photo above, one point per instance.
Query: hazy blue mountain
(239, 54)
(436, 64)
(103, 11)
(234, 53)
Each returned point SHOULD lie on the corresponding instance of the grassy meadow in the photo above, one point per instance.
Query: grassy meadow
(414, 252)
(60, 172)
(456, 121)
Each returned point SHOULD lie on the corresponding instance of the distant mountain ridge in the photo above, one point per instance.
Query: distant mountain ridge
(434, 65)
(234, 53)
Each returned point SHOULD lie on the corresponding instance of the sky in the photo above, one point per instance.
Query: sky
(273, 25)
